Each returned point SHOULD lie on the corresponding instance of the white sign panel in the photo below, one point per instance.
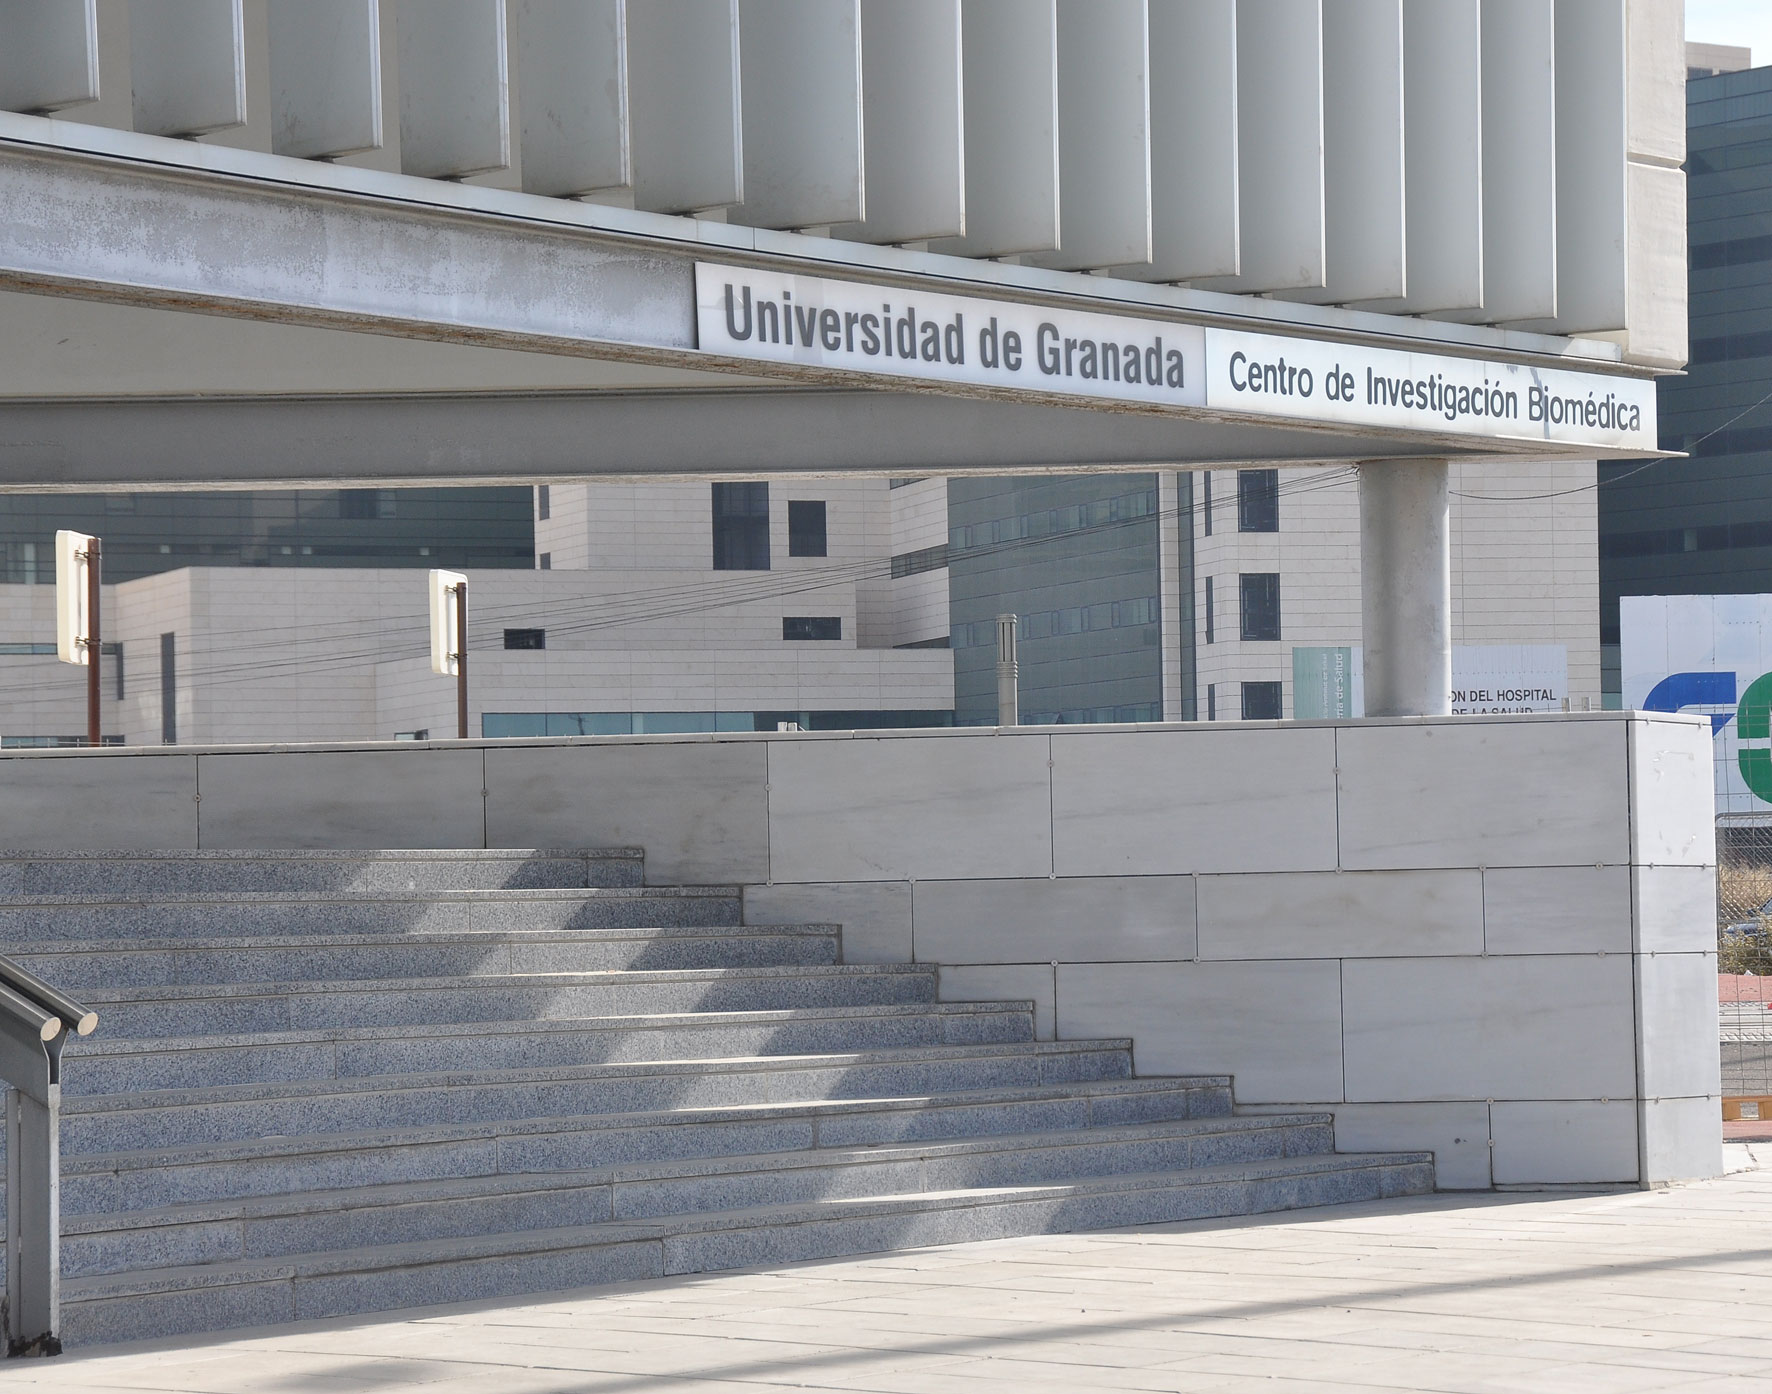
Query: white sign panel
(73, 594)
(1355, 385)
(445, 617)
(848, 327)
(945, 338)
(1704, 654)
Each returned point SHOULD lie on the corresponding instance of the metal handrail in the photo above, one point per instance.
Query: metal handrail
(35, 1022)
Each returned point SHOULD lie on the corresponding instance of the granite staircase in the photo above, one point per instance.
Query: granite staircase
(327, 1083)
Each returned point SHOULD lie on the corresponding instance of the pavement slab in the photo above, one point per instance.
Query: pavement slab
(1620, 1292)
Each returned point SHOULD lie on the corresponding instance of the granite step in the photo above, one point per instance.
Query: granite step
(30, 919)
(176, 872)
(164, 1118)
(212, 1296)
(317, 1221)
(101, 1065)
(76, 966)
(262, 1166)
(236, 1008)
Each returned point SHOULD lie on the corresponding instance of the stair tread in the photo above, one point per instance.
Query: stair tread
(423, 1252)
(34, 948)
(318, 854)
(88, 1046)
(481, 981)
(445, 1079)
(50, 900)
(321, 1201)
(298, 1144)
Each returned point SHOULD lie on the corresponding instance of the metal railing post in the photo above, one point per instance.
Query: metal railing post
(34, 1023)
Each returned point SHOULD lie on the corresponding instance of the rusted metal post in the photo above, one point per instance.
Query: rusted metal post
(461, 661)
(94, 649)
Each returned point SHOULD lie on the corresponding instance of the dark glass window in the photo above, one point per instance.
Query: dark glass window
(914, 563)
(547, 561)
(1258, 500)
(806, 536)
(168, 690)
(1208, 609)
(1212, 701)
(1261, 701)
(526, 638)
(1206, 504)
(1260, 604)
(542, 502)
(811, 627)
(741, 527)
(365, 503)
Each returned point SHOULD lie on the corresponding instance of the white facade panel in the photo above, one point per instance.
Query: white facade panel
(914, 121)
(455, 111)
(1104, 144)
(683, 100)
(1193, 64)
(1010, 60)
(1279, 147)
(572, 83)
(187, 65)
(801, 61)
(48, 54)
(325, 73)
(1442, 42)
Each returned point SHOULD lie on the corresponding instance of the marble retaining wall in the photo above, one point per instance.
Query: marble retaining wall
(1491, 937)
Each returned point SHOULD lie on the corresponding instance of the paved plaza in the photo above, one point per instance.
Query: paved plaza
(1556, 1292)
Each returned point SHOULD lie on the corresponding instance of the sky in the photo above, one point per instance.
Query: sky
(1744, 23)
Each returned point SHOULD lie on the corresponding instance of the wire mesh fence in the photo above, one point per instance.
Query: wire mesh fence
(1744, 958)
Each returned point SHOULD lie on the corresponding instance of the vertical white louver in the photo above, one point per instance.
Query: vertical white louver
(187, 65)
(48, 54)
(1104, 135)
(572, 81)
(1485, 161)
(455, 113)
(1519, 161)
(1279, 147)
(1011, 69)
(801, 61)
(325, 70)
(1193, 59)
(684, 105)
(913, 121)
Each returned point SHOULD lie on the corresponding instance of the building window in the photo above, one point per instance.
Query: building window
(811, 627)
(1260, 604)
(547, 561)
(806, 537)
(1261, 701)
(915, 563)
(1212, 701)
(365, 503)
(1258, 500)
(542, 503)
(1206, 503)
(741, 527)
(1208, 609)
(116, 651)
(526, 638)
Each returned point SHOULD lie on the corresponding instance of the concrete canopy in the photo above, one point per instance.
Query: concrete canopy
(170, 301)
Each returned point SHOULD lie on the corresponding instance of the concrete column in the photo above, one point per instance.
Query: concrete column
(1406, 587)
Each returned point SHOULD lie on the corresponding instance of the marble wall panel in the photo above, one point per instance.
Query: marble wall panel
(1682, 1139)
(696, 807)
(344, 798)
(1674, 991)
(1550, 1142)
(1530, 1027)
(1483, 793)
(1673, 791)
(102, 801)
(875, 915)
(1333, 914)
(1042, 920)
(1557, 909)
(1676, 908)
(1275, 1026)
(1144, 803)
(926, 807)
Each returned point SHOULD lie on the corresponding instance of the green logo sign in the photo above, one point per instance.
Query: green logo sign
(1753, 722)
